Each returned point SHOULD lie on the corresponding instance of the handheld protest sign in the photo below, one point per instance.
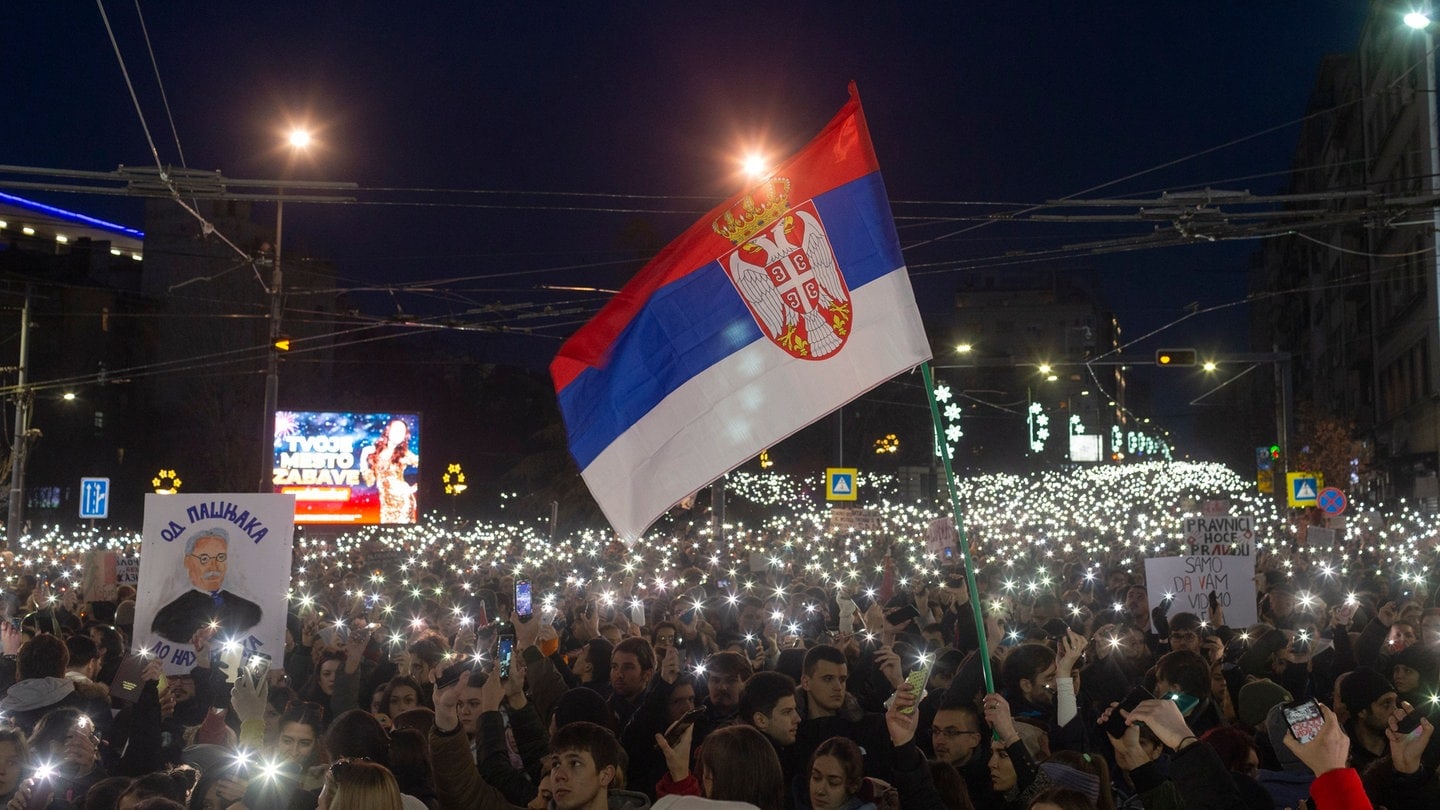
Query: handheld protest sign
(216, 560)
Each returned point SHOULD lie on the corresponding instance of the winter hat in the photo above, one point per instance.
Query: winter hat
(1420, 659)
(1363, 687)
(1073, 778)
(1277, 728)
(1256, 699)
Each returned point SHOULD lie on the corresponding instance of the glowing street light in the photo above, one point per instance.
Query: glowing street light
(1418, 20)
(299, 140)
(754, 165)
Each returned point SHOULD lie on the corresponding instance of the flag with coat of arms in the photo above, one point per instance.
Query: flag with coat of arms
(781, 305)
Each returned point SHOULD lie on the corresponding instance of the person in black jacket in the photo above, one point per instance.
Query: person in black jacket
(206, 561)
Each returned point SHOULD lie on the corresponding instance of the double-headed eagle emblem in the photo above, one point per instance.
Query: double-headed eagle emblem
(785, 269)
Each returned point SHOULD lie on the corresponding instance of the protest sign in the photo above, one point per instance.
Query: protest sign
(842, 518)
(1220, 535)
(1191, 578)
(214, 560)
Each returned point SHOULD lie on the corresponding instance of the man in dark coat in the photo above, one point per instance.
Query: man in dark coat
(206, 559)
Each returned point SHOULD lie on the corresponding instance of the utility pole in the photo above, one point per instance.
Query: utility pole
(20, 439)
(272, 359)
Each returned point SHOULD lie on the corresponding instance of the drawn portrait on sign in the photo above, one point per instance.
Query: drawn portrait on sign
(206, 560)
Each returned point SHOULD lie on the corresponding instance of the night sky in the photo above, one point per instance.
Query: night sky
(609, 127)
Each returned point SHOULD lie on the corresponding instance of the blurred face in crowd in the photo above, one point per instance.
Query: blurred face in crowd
(1430, 630)
(611, 634)
(1041, 689)
(1401, 635)
(1376, 716)
(752, 619)
(626, 676)
(328, 671)
(182, 687)
(1002, 770)
(956, 735)
(826, 685)
(664, 637)
(1137, 602)
(12, 768)
(297, 743)
(782, 723)
(1187, 640)
(403, 699)
(724, 689)
(376, 706)
(1117, 582)
(419, 670)
(575, 782)
(828, 787)
(468, 708)
(1405, 679)
(1282, 603)
(206, 564)
(682, 700)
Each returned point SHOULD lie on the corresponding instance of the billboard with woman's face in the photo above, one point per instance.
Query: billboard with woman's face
(350, 468)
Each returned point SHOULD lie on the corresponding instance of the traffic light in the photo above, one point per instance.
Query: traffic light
(282, 343)
(1175, 357)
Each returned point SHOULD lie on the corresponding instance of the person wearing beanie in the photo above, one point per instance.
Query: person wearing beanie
(1256, 700)
(1291, 783)
(1370, 699)
(1415, 671)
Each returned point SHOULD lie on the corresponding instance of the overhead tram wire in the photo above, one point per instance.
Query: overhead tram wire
(1429, 55)
(207, 226)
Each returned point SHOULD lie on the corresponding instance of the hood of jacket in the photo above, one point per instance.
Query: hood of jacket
(36, 693)
(628, 800)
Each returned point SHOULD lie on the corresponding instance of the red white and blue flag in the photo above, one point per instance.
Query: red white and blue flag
(778, 307)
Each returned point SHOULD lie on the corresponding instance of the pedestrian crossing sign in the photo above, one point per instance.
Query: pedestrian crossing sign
(1304, 488)
(840, 483)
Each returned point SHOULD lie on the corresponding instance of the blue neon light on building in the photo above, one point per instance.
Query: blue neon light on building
(70, 215)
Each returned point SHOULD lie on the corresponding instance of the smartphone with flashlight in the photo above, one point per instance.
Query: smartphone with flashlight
(1304, 719)
(524, 603)
(44, 788)
(917, 680)
(258, 666)
(1183, 701)
(505, 647)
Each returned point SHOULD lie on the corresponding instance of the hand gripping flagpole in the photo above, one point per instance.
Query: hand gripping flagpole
(963, 541)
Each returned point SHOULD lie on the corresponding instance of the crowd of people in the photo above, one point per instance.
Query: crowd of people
(917, 690)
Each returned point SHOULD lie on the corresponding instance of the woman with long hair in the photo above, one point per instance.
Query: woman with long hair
(401, 694)
(837, 772)
(66, 749)
(383, 466)
(352, 784)
(735, 764)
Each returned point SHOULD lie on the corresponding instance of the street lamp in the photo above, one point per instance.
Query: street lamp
(299, 139)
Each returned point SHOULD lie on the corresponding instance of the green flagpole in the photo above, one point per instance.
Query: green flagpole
(959, 529)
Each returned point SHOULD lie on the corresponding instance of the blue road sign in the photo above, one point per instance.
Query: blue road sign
(95, 498)
(1332, 501)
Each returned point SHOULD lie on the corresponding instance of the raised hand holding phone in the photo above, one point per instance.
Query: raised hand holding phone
(1327, 750)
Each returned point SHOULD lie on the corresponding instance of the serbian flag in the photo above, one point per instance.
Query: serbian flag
(778, 307)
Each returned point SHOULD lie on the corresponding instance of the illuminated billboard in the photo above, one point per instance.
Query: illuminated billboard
(351, 468)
